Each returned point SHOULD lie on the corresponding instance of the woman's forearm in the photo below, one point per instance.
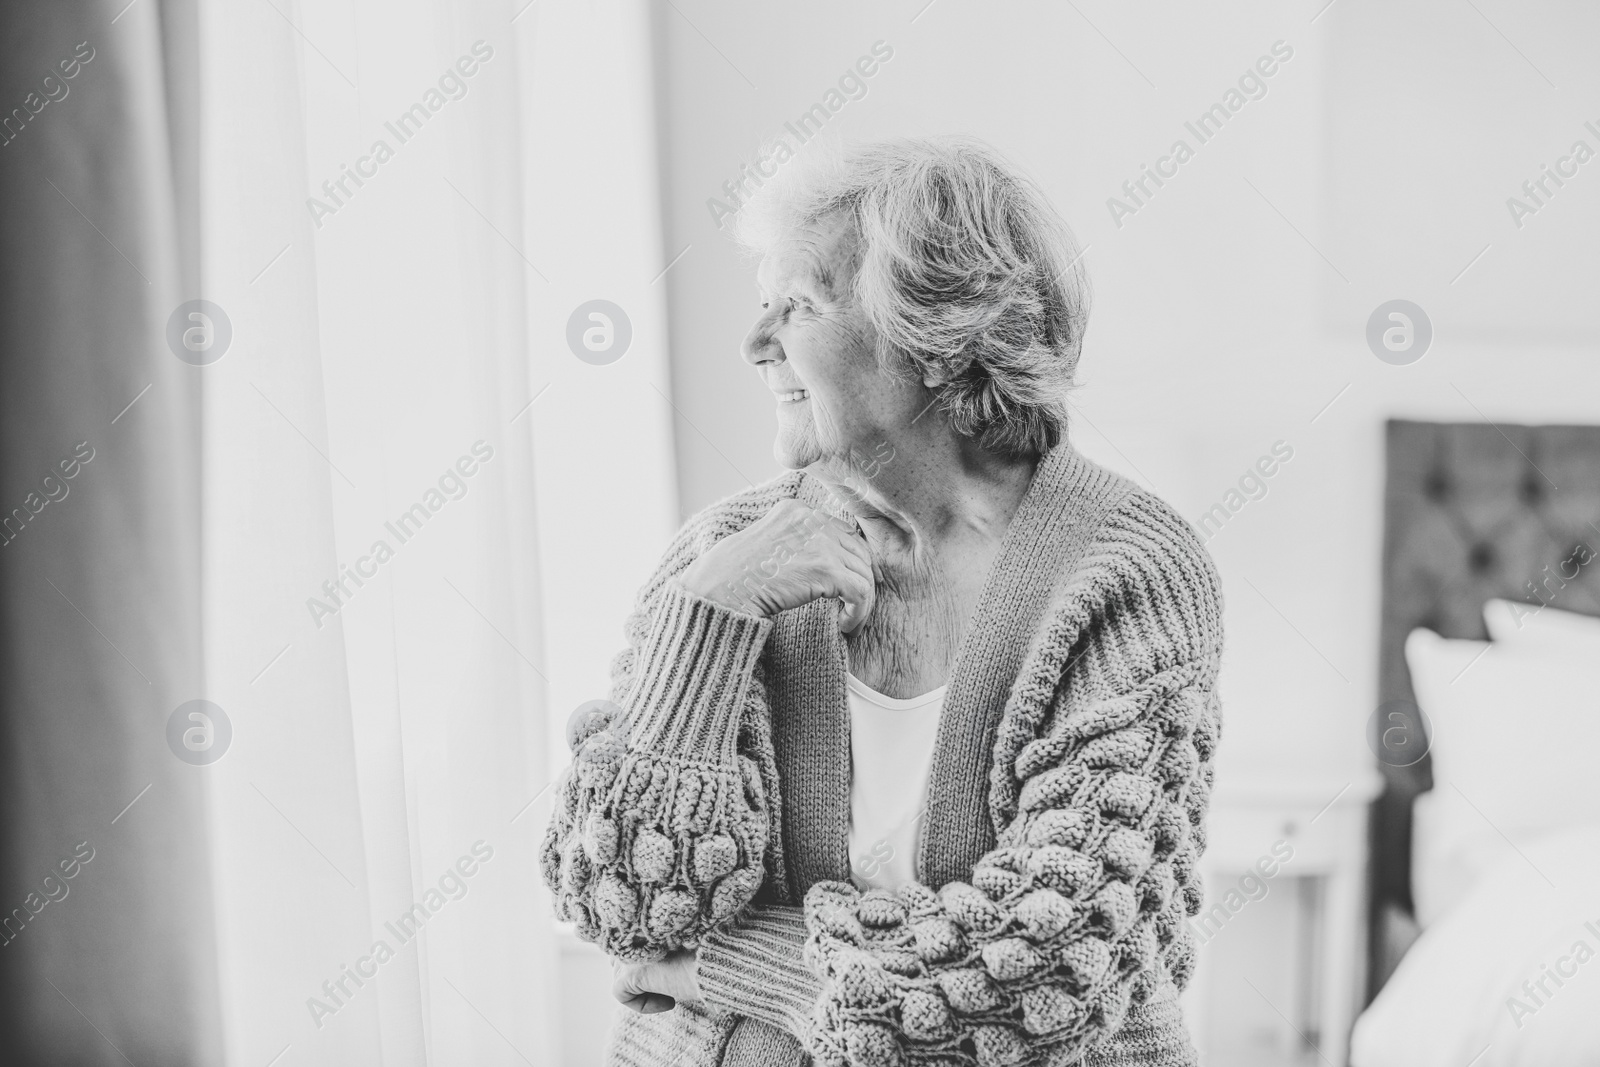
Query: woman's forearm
(662, 826)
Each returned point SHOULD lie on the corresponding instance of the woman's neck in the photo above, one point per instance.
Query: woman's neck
(924, 511)
(934, 524)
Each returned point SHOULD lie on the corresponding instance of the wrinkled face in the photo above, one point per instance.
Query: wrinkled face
(816, 351)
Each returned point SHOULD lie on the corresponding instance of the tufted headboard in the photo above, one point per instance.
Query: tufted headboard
(1472, 511)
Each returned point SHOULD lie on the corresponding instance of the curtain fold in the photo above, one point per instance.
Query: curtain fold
(372, 595)
(108, 954)
(603, 432)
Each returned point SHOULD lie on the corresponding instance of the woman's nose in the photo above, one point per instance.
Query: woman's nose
(759, 346)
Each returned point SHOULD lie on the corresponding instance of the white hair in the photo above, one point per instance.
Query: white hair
(968, 275)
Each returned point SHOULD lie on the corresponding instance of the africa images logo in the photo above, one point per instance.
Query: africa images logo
(452, 85)
(1399, 332)
(350, 578)
(199, 332)
(199, 732)
(599, 332)
(452, 886)
(1252, 85)
(852, 85)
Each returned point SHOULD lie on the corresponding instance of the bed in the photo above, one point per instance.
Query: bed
(1485, 851)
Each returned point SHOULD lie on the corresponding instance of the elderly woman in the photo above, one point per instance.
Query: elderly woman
(910, 749)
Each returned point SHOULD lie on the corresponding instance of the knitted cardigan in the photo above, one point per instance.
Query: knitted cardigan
(1066, 800)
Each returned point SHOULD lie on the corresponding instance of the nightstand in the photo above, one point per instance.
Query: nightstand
(1281, 933)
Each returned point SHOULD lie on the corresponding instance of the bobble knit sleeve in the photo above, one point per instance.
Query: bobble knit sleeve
(1098, 792)
(661, 825)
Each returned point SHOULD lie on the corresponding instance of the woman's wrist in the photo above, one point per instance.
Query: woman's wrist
(698, 658)
(702, 580)
(692, 978)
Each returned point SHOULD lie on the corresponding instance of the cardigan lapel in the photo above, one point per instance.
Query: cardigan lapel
(1066, 503)
(811, 732)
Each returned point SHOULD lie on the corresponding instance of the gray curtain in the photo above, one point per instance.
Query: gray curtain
(107, 954)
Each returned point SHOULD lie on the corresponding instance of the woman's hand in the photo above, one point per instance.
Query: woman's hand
(791, 556)
(651, 987)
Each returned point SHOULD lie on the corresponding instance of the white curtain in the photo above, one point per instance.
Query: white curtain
(375, 630)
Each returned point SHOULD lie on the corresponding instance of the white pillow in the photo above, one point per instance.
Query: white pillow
(1516, 732)
(1458, 996)
(1513, 621)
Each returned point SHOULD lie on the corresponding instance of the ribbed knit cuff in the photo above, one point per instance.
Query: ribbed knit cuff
(691, 675)
(754, 967)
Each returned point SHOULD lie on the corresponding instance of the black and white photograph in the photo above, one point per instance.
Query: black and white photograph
(908, 533)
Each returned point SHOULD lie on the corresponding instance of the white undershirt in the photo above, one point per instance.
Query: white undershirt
(891, 753)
